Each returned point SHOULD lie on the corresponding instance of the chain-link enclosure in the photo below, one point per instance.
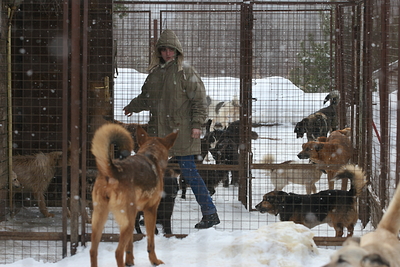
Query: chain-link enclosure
(71, 66)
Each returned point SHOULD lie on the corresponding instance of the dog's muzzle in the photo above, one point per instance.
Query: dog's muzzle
(259, 208)
(303, 156)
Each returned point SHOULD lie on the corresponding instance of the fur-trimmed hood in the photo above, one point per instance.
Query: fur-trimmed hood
(167, 38)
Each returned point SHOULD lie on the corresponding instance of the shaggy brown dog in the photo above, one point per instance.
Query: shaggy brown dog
(380, 248)
(14, 181)
(338, 208)
(35, 172)
(335, 150)
(127, 185)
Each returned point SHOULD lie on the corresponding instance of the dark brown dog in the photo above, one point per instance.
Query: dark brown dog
(335, 150)
(35, 172)
(127, 185)
(376, 249)
(338, 208)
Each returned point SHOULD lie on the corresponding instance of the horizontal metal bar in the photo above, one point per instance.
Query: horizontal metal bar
(233, 3)
(52, 236)
(263, 166)
(319, 240)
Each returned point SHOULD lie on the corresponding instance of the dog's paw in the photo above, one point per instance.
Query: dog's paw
(157, 262)
(129, 264)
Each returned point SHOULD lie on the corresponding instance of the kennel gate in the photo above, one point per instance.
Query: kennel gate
(218, 31)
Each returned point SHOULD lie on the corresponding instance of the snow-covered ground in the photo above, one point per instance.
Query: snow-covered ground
(244, 237)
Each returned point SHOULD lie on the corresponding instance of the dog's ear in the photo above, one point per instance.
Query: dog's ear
(318, 146)
(141, 135)
(169, 140)
(304, 124)
(208, 125)
(280, 196)
(299, 129)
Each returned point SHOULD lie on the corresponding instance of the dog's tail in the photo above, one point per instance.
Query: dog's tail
(268, 159)
(356, 176)
(333, 97)
(391, 219)
(104, 137)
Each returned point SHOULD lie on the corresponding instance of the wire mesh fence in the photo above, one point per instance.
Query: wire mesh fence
(265, 67)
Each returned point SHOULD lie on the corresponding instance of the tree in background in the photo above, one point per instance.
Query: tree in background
(314, 73)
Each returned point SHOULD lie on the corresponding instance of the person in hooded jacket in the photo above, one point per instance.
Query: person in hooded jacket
(176, 98)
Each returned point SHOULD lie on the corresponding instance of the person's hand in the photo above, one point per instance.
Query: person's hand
(127, 113)
(196, 133)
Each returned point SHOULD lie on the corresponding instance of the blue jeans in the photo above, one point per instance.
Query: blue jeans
(199, 189)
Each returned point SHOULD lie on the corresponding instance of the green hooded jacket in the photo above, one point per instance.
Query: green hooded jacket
(175, 96)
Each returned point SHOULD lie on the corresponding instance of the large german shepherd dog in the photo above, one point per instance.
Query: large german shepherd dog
(380, 248)
(126, 185)
(338, 208)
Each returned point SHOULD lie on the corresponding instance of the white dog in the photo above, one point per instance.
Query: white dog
(223, 112)
(282, 177)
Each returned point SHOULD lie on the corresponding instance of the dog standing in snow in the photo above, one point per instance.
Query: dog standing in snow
(281, 177)
(35, 172)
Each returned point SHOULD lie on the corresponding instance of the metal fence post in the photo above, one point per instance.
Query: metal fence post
(246, 69)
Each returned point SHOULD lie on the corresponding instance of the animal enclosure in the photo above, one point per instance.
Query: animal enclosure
(266, 65)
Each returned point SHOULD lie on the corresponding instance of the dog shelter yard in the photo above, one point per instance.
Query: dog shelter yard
(68, 67)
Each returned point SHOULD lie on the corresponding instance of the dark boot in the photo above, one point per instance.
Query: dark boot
(208, 221)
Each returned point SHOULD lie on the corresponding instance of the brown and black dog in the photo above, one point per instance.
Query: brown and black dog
(380, 248)
(338, 208)
(336, 150)
(35, 173)
(127, 185)
(321, 122)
